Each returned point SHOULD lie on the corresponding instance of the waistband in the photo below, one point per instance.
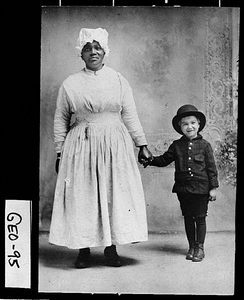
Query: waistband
(103, 118)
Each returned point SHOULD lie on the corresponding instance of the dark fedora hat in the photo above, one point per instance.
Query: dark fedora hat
(188, 110)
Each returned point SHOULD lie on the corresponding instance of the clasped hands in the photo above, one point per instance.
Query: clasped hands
(144, 156)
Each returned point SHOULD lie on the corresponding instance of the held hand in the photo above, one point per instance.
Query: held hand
(212, 195)
(144, 155)
(147, 163)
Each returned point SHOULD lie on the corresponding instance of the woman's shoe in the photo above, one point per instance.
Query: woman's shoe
(112, 257)
(198, 255)
(83, 259)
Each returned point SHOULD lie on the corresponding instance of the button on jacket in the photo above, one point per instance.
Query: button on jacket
(195, 169)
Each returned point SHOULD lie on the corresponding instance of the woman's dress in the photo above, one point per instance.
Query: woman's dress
(99, 198)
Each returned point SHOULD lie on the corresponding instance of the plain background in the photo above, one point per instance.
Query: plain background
(170, 56)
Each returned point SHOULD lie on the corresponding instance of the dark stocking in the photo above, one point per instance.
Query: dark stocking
(201, 229)
(190, 229)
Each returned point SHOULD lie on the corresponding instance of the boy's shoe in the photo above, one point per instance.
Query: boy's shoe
(198, 255)
(83, 259)
(190, 253)
(112, 257)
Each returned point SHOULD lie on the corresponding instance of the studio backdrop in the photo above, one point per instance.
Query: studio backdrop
(171, 57)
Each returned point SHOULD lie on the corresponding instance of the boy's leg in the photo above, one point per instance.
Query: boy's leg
(200, 238)
(190, 229)
(185, 199)
(190, 233)
(201, 229)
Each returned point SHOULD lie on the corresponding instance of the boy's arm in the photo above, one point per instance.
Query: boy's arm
(211, 168)
(164, 159)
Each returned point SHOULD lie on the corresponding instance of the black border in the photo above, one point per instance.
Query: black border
(20, 61)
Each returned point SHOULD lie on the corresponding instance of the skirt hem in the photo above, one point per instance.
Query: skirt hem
(97, 244)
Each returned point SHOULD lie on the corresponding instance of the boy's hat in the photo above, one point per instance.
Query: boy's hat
(188, 110)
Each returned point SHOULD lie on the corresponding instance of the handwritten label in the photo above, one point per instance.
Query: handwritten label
(17, 243)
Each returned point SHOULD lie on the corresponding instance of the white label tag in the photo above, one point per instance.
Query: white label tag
(17, 243)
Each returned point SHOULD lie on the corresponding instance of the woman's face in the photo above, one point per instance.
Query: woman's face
(93, 54)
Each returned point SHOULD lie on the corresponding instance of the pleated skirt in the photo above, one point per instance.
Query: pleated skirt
(99, 198)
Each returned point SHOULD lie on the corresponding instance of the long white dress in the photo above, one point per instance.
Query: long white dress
(99, 198)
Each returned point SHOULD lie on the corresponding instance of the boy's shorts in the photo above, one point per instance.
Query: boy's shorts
(195, 205)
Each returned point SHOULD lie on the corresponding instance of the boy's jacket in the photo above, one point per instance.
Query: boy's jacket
(195, 169)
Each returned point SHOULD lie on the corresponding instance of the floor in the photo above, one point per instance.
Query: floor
(157, 266)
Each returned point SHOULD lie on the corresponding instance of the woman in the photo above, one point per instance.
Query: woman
(99, 199)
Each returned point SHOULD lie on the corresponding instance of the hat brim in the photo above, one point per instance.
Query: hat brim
(199, 115)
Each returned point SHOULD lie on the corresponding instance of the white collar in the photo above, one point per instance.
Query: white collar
(91, 72)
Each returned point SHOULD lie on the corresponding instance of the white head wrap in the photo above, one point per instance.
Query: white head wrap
(88, 35)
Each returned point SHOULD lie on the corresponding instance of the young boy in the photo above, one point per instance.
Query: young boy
(195, 175)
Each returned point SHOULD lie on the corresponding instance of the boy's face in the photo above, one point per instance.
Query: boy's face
(189, 126)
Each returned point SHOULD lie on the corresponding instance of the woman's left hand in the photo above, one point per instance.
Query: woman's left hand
(144, 155)
(57, 163)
